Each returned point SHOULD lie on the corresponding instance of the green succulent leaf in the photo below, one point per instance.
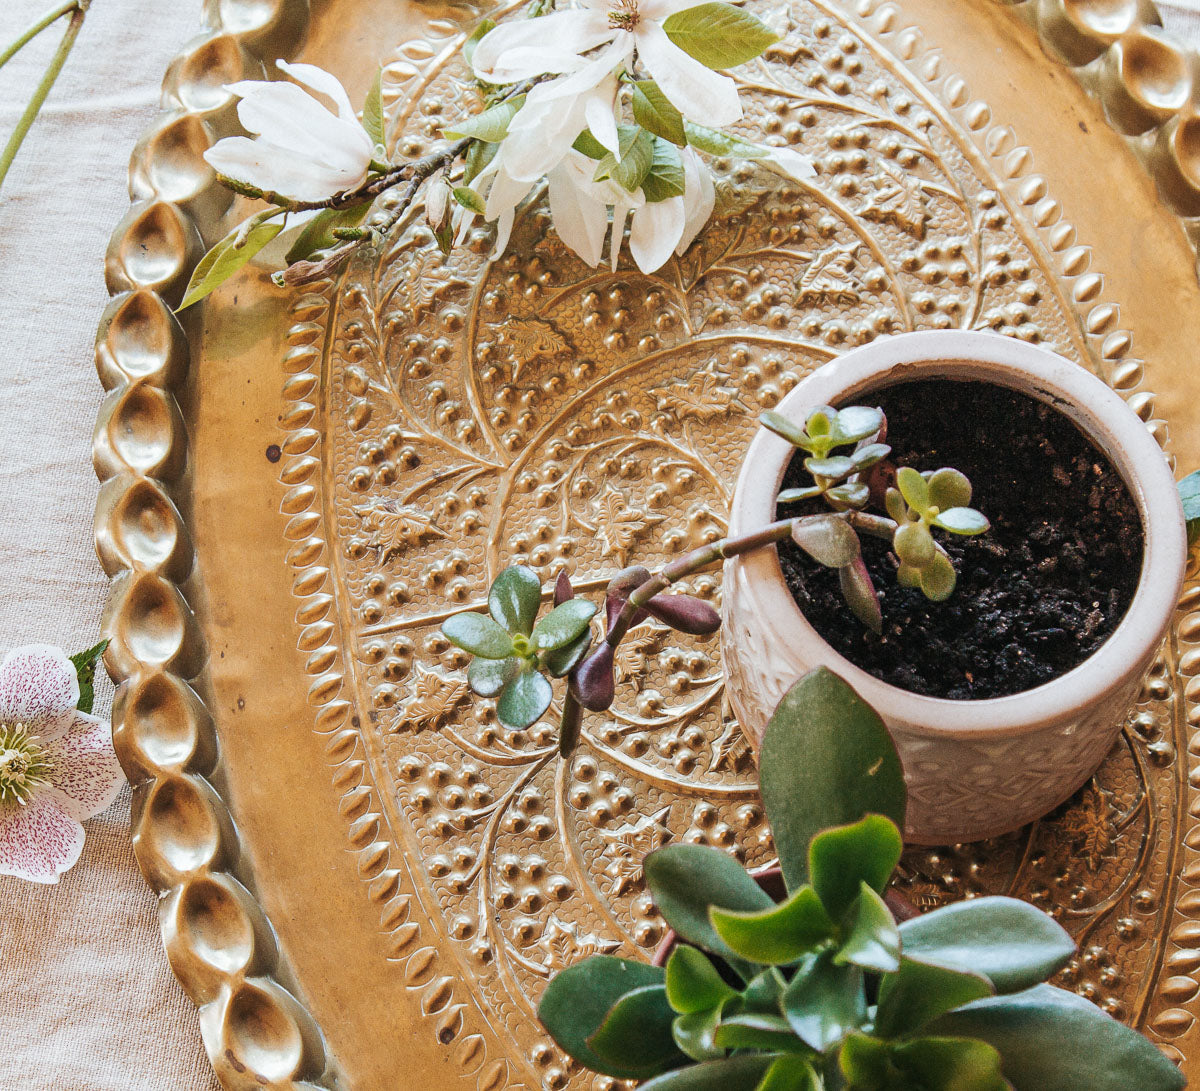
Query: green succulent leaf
(965, 521)
(781, 426)
(938, 578)
(914, 545)
(777, 935)
(515, 597)
(856, 422)
(919, 993)
(477, 634)
(853, 494)
(896, 508)
(724, 1075)
(317, 233)
(563, 625)
(693, 983)
(863, 1061)
(859, 592)
(477, 35)
(719, 35)
(949, 488)
(490, 126)
(487, 677)
(524, 700)
(819, 424)
(872, 940)
(1189, 495)
(652, 110)
(665, 178)
(1008, 941)
(577, 1002)
(914, 488)
(225, 259)
(866, 457)
(824, 1001)
(636, 1035)
(754, 1030)
(562, 661)
(950, 1064)
(372, 114)
(686, 880)
(763, 991)
(836, 466)
(841, 859)
(1053, 1040)
(630, 168)
(907, 576)
(826, 760)
(828, 539)
(794, 496)
(792, 1073)
(693, 1034)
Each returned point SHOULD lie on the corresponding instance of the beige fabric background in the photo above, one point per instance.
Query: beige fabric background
(88, 1001)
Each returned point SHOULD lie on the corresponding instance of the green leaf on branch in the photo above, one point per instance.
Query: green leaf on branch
(470, 200)
(716, 142)
(477, 36)
(1053, 1040)
(919, 993)
(777, 935)
(491, 125)
(514, 598)
(652, 110)
(477, 634)
(755, 1030)
(872, 940)
(637, 157)
(719, 35)
(85, 670)
(686, 880)
(844, 857)
(577, 1001)
(372, 114)
(665, 177)
(589, 145)
(635, 1037)
(724, 1075)
(693, 983)
(950, 1064)
(1189, 494)
(478, 156)
(225, 259)
(317, 233)
(824, 1001)
(563, 625)
(1011, 943)
(827, 760)
(524, 700)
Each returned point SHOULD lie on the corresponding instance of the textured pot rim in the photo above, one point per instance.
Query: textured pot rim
(1084, 399)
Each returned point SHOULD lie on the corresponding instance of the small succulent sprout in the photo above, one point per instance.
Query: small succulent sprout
(514, 651)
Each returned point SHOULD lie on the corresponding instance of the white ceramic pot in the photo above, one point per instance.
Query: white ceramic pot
(974, 768)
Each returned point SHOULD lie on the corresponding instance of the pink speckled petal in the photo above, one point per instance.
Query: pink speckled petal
(39, 688)
(39, 841)
(83, 767)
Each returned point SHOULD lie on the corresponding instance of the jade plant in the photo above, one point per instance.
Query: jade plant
(916, 503)
(824, 990)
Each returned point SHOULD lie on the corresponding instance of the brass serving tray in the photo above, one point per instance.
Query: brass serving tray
(365, 882)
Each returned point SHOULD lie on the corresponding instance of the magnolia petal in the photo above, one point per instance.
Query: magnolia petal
(790, 164)
(290, 117)
(655, 233)
(83, 768)
(580, 220)
(324, 83)
(270, 167)
(38, 688)
(619, 214)
(598, 113)
(695, 91)
(661, 9)
(39, 841)
(503, 197)
(699, 197)
(526, 48)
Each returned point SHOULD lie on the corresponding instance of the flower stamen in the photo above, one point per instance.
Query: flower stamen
(625, 16)
(24, 766)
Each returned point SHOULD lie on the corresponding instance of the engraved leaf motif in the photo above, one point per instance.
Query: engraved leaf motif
(531, 339)
(732, 750)
(703, 396)
(830, 276)
(424, 280)
(1086, 825)
(619, 525)
(565, 944)
(629, 844)
(434, 697)
(630, 659)
(395, 527)
(897, 197)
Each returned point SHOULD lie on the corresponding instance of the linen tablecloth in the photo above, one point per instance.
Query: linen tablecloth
(87, 1001)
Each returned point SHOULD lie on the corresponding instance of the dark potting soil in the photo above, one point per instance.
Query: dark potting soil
(1036, 594)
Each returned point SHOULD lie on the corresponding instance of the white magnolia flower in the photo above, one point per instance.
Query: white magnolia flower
(302, 149)
(557, 42)
(57, 765)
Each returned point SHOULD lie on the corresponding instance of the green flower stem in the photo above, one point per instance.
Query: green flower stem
(77, 9)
